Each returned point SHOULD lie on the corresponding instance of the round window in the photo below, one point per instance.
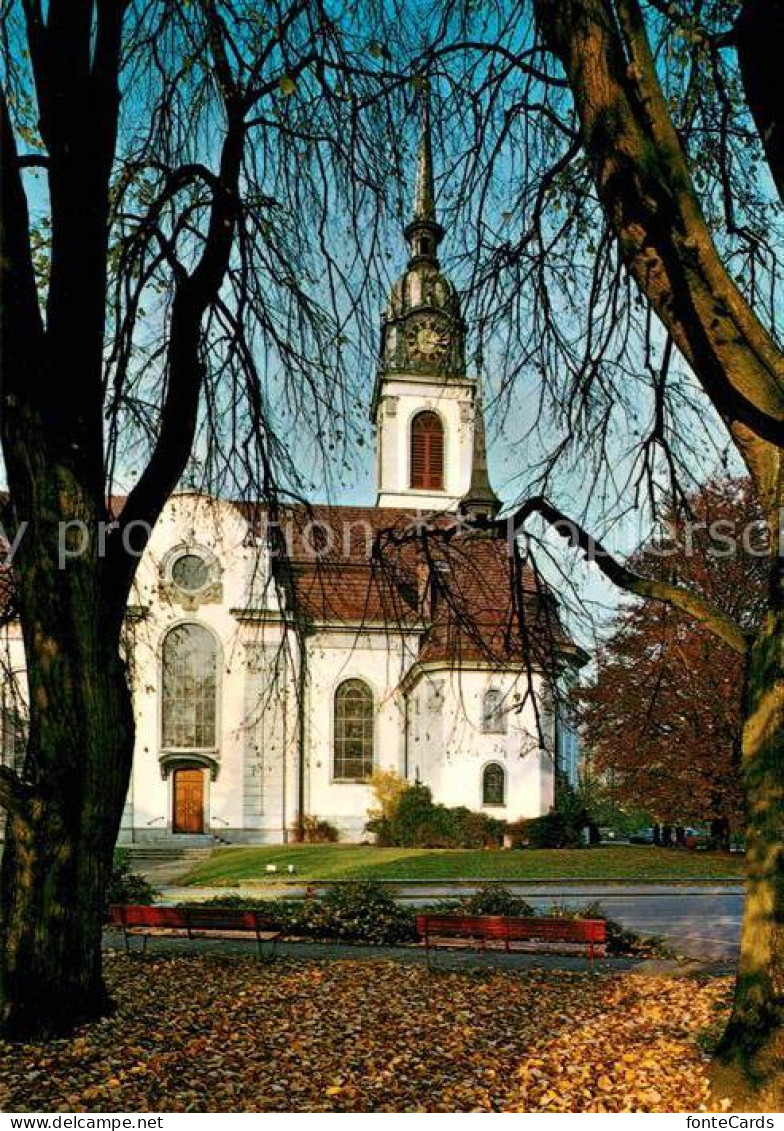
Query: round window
(190, 572)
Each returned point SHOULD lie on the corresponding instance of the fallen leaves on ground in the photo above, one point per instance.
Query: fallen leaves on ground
(208, 1033)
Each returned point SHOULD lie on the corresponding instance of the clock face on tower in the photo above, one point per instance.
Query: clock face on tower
(427, 339)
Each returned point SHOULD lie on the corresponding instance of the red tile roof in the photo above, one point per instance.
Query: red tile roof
(466, 594)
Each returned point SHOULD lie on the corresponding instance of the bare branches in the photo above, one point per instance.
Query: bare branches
(21, 318)
(643, 180)
(759, 37)
(688, 601)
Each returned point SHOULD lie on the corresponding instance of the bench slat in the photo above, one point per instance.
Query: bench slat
(452, 931)
(138, 919)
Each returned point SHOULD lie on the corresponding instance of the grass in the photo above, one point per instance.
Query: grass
(232, 866)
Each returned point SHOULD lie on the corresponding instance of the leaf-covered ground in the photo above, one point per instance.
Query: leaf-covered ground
(209, 1033)
(350, 862)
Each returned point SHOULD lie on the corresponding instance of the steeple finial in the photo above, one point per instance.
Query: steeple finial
(425, 200)
(424, 233)
(480, 501)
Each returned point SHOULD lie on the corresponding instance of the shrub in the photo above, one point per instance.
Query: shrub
(418, 822)
(494, 899)
(125, 885)
(388, 787)
(549, 831)
(316, 830)
(360, 911)
(620, 941)
(364, 910)
(477, 830)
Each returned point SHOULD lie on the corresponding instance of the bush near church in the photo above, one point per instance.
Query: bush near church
(125, 885)
(354, 911)
(563, 827)
(416, 821)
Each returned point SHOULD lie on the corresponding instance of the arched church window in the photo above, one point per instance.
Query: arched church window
(494, 785)
(493, 714)
(353, 753)
(189, 688)
(427, 452)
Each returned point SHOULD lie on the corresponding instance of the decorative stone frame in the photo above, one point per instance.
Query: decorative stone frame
(210, 594)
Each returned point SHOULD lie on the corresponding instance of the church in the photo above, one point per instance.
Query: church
(280, 657)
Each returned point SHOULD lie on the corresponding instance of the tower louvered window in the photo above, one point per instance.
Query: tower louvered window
(427, 452)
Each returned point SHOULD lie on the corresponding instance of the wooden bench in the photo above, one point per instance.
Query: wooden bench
(442, 932)
(195, 923)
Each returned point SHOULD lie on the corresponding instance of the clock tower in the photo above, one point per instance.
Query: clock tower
(425, 405)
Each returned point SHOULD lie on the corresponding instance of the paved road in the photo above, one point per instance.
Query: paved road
(700, 921)
(702, 924)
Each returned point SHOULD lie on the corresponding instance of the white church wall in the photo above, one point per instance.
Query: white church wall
(239, 575)
(379, 659)
(449, 746)
(252, 793)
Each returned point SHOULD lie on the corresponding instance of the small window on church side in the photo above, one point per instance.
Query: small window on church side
(427, 452)
(493, 714)
(353, 753)
(494, 785)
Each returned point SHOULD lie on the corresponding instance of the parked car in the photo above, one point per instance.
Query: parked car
(642, 836)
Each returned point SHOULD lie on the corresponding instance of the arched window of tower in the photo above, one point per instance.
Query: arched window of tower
(427, 452)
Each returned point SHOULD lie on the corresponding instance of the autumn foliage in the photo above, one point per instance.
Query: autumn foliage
(662, 719)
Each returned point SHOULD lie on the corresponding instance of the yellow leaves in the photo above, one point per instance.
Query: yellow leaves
(372, 1036)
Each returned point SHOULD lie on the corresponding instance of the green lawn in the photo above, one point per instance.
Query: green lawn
(349, 862)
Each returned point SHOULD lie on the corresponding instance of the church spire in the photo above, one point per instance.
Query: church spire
(480, 501)
(423, 232)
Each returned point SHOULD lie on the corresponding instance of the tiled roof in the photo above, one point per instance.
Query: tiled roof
(467, 595)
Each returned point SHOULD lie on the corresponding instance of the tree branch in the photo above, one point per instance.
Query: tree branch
(696, 606)
(22, 326)
(645, 187)
(759, 38)
(193, 295)
(13, 792)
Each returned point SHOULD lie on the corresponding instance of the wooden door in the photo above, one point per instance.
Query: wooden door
(188, 801)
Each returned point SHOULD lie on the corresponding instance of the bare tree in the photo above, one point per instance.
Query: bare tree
(168, 278)
(619, 183)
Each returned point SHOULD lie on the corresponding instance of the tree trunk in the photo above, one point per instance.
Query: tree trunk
(720, 834)
(60, 841)
(753, 1037)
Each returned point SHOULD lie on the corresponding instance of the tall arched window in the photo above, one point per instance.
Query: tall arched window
(494, 785)
(427, 452)
(190, 688)
(353, 754)
(493, 714)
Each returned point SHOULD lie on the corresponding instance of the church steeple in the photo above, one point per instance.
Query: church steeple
(423, 402)
(422, 328)
(423, 232)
